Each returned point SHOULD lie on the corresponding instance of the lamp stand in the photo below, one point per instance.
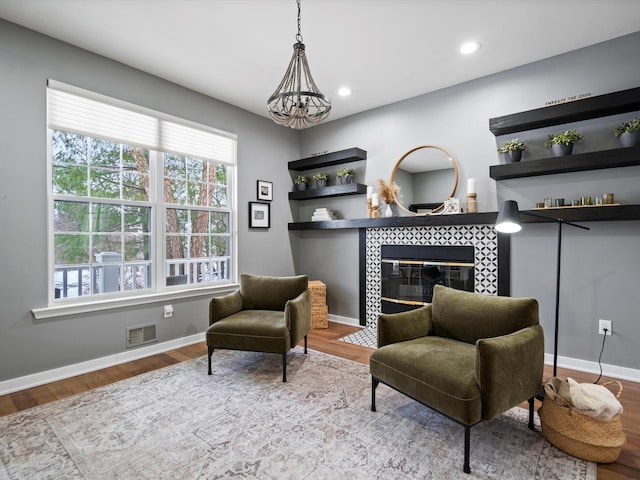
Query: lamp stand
(560, 222)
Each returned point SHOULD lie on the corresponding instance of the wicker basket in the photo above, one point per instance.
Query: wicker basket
(580, 435)
(319, 314)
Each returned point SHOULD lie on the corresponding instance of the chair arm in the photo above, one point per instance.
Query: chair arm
(297, 315)
(509, 369)
(221, 307)
(398, 327)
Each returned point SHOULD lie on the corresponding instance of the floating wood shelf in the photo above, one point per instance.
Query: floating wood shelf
(330, 191)
(329, 159)
(593, 107)
(619, 157)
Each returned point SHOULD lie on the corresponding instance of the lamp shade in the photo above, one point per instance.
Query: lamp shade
(508, 220)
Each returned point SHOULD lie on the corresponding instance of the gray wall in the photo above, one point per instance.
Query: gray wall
(600, 267)
(27, 59)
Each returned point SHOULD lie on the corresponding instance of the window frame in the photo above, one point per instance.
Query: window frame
(159, 291)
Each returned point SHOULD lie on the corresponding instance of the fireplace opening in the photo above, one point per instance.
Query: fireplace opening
(409, 273)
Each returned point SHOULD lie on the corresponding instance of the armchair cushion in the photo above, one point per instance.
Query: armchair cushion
(270, 293)
(468, 316)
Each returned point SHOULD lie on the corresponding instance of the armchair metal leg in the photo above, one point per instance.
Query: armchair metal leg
(210, 352)
(531, 426)
(305, 344)
(284, 367)
(374, 384)
(467, 443)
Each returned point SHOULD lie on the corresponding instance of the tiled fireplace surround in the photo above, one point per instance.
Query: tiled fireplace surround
(491, 253)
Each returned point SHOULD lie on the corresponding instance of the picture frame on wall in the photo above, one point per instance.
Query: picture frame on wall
(259, 215)
(265, 190)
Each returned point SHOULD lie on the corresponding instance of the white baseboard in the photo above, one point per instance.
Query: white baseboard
(614, 371)
(41, 378)
(354, 322)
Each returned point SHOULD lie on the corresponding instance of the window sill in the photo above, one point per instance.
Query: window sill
(61, 310)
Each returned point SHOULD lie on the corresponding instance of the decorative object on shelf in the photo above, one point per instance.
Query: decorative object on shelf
(508, 221)
(297, 102)
(512, 150)
(451, 206)
(345, 175)
(629, 133)
(369, 196)
(375, 206)
(389, 193)
(301, 182)
(323, 214)
(472, 204)
(265, 190)
(562, 143)
(259, 215)
(608, 198)
(321, 179)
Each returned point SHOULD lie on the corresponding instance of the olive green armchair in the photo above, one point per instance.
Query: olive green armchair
(267, 314)
(466, 355)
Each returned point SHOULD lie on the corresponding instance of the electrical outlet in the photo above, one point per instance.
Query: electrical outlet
(168, 311)
(602, 324)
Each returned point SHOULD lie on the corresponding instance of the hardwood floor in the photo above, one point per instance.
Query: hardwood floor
(627, 467)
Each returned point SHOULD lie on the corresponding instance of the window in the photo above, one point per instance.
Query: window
(140, 202)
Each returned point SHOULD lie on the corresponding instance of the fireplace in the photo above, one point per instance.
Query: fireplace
(409, 273)
(490, 259)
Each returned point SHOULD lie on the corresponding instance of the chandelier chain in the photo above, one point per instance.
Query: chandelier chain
(299, 35)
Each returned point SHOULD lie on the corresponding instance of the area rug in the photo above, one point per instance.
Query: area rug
(243, 422)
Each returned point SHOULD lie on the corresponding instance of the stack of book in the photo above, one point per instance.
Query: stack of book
(322, 214)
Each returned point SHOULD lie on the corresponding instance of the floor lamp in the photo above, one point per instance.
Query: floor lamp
(508, 221)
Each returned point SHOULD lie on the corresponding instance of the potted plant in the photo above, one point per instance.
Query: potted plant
(562, 143)
(321, 179)
(629, 133)
(301, 182)
(513, 150)
(345, 175)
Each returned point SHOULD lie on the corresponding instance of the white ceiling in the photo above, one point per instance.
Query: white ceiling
(385, 50)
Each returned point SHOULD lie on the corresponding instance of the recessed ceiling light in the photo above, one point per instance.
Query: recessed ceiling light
(344, 91)
(469, 47)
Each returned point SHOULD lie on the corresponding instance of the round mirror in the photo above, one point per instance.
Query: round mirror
(427, 176)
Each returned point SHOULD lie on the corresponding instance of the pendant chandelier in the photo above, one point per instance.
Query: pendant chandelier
(297, 102)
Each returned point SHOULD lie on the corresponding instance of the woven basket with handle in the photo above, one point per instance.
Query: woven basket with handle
(577, 434)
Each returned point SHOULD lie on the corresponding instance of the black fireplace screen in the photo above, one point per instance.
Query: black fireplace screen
(409, 273)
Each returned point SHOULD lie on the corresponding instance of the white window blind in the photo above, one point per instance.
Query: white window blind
(79, 111)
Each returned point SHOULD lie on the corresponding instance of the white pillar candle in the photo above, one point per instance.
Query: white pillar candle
(471, 185)
(375, 201)
(369, 192)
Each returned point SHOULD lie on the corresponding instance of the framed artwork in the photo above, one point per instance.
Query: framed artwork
(265, 190)
(451, 206)
(259, 215)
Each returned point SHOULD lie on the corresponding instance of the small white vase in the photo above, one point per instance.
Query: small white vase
(387, 211)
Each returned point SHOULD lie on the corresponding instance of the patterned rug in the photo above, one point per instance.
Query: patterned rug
(243, 422)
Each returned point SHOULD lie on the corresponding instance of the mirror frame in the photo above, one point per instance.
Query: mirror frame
(455, 183)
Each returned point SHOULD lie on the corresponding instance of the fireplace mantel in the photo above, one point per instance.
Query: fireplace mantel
(594, 213)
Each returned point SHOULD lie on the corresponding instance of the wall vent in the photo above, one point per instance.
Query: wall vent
(142, 334)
